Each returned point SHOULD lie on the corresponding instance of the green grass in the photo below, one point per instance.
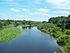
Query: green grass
(24, 26)
(8, 33)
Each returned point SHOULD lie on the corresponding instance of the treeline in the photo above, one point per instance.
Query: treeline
(61, 21)
(59, 27)
(15, 23)
(7, 22)
(9, 29)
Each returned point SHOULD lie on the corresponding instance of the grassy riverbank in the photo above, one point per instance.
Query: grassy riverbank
(62, 38)
(8, 33)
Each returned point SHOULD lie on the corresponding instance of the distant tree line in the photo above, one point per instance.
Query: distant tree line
(17, 22)
(61, 21)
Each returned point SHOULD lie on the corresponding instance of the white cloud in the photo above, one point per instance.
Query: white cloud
(38, 12)
(44, 10)
(8, 3)
(24, 9)
(15, 10)
(63, 4)
(57, 2)
(61, 12)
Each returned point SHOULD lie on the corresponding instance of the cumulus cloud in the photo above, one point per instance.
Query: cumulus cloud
(43, 10)
(15, 10)
(63, 4)
(8, 2)
(19, 9)
(60, 12)
(58, 2)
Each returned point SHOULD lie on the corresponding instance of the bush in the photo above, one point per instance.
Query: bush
(8, 33)
(67, 32)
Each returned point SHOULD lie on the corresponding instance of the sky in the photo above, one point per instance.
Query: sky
(35, 10)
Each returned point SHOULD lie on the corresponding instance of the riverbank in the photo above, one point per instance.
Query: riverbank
(25, 26)
(8, 33)
(31, 40)
(61, 48)
(61, 37)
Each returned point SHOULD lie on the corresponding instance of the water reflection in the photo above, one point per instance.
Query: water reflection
(31, 40)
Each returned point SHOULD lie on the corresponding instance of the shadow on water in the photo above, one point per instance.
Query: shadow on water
(29, 27)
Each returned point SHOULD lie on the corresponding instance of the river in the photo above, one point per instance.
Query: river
(31, 40)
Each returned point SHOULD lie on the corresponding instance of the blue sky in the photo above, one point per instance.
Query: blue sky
(36, 10)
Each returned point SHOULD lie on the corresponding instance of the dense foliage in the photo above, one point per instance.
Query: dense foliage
(61, 21)
(59, 27)
(9, 30)
(8, 33)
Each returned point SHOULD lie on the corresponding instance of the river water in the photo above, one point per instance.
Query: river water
(31, 40)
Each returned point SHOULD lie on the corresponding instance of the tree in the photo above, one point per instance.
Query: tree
(0, 25)
(68, 15)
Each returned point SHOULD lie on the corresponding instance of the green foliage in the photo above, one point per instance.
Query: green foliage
(8, 33)
(61, 21)
(67, 32)
(59, 27)
(0, 25)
